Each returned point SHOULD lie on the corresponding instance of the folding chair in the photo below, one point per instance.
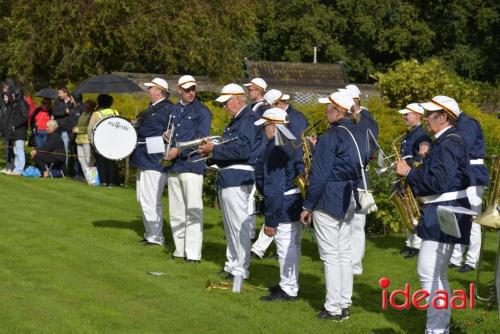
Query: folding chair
(53, 172)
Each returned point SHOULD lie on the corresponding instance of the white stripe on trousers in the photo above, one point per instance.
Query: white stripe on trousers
(358, 242)
(234, 204)
(475, 194)
(185, 203)
(149, 188)
(432, 268)
(334, 244)
(287, 238)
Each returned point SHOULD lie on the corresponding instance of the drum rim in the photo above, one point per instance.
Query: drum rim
(106, 118)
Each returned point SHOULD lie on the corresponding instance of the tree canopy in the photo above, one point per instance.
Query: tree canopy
(50, 42)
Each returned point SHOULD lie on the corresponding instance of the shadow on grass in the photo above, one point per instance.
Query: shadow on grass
(389, 242)
(134, 225)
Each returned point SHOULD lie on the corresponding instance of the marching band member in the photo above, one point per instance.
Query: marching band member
(442, 180)
(414, 146)
(151, 176)
(366, 122)
(256, 89)
(185, 178)
(235, 180)
(330, 202)
(275, 173)
(298, 123)
(470, 130)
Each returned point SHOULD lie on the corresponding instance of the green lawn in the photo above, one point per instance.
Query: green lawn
(71, 262)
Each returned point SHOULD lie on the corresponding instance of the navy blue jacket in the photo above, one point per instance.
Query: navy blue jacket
(335, 169)
(275, 173)
(151, 122)
(242, 151)
(411, 143)
(444, 169)
(366, 145)
(472, 133)
(191, 121)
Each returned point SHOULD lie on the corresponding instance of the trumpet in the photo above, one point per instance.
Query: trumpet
(168, 138)
(210, 285)
(190, 144)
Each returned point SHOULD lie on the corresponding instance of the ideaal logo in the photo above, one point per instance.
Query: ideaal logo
(118, 125)
(459, 300)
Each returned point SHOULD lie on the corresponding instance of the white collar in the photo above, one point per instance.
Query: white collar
(153, 104)
(437, 135)
(240, 111)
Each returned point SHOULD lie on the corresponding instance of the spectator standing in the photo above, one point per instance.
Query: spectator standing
(82, 138)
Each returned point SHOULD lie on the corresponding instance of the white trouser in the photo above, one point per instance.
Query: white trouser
(358, 242)
(84, 157)
(19, 156)
(334, 244)
(185, 204)
(260, 246)
(475, 194)
(432, 270)
(149, 186)
(234, 204)
(287, 240)
(413, 240)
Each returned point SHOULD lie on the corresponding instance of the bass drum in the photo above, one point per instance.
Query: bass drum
(114, 138)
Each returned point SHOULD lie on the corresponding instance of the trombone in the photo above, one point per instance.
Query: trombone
(190, 144)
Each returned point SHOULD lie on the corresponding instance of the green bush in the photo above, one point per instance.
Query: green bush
(410, 81)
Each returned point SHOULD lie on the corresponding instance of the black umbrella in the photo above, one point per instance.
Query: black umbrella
(107, 83)
(49, 93)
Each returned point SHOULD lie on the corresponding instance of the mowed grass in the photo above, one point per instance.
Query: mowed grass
(71, 262)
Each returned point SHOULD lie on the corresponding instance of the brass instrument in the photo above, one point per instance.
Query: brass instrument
(402, 197)
(168, 138)
(490, 218)
(229, 286)
(302, 181)
(216, 140)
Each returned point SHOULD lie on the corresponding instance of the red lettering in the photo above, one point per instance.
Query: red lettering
(472, 295)
(417, 297)
(405, 293)
(460, 296)
(440, 300)
(384, 299)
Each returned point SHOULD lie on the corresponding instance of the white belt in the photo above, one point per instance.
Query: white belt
(240, 167)
(292, 191)
(477, 162)
(450, 196)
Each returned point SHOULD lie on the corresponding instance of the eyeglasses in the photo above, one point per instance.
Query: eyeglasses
(190, 89)
(436, 113)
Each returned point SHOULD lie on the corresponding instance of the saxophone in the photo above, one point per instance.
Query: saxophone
(402, 197)
(302, 181)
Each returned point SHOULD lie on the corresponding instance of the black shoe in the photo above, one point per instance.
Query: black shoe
(254, 255)
(325, 315)
(274, 288)
(173, 257)
(451, 266)
(465, 268)
(404, 250)
(278, 295)
(412, 252)
(345, 313)
(192, 261)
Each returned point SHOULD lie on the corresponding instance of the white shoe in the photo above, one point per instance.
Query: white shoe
(4, 171)
(14, 172)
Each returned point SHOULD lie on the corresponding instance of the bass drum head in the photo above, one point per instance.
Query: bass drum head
(114, 138)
